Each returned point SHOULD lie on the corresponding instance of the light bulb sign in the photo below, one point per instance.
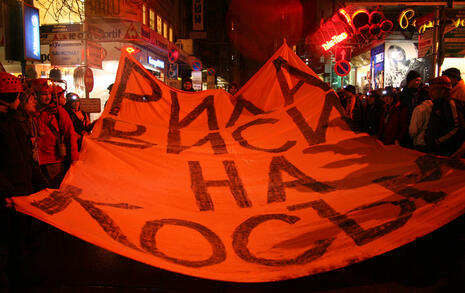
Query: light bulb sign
(31, 33)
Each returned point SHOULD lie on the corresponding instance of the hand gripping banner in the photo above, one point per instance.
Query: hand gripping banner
(271, 186)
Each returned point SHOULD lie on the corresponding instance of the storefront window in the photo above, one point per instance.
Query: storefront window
(159, 25)
(152, 19)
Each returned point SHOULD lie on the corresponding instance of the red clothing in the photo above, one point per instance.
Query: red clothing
(393, 124)
(47, 141)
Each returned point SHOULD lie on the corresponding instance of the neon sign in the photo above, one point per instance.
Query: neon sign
(406, 19)
(346, 16)
(334, 40)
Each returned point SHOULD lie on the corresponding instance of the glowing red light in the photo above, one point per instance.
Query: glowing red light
(346, 16)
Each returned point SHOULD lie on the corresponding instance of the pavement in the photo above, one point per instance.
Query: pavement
(49, 260)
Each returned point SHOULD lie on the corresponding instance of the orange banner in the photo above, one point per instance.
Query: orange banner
(272, 187)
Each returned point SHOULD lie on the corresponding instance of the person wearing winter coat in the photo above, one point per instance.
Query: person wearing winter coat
(57, 139)
(393, 125)
(419, 123)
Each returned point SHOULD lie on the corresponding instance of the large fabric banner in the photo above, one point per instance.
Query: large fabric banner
(269, 185)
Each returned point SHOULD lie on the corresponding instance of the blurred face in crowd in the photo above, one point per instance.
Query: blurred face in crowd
(388, 99)
(62, 99)
(232, 89)
(370, 99)
(414, 83)
(45, 98)
(439, 88)
(31, 104)
(76, 105)
(187, 85)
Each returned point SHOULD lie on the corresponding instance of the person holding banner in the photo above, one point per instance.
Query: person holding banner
(187, 86)
(57, 138)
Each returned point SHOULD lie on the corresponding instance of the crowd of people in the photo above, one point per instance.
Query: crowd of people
(41, 131)
(41, 127)
(425, 116)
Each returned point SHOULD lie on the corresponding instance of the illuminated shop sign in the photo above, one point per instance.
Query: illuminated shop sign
(334, 40)
(156, 62)
(31, 33)
(407, 18)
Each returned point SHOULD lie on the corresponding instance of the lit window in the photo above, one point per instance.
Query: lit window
(165, 30)
(152, 19)
(159, 25)
(171, 37)
(144, 14)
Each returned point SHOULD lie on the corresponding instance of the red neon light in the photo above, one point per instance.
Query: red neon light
(334, 40)
(346, 15)
(359, 11)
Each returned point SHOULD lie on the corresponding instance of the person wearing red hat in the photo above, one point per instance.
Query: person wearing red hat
(57, 140)
(18, 173)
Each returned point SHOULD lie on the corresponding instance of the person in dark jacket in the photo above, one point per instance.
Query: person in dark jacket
(19, 175)
(372, 112)
(187, 86)
(80, 119)
(443, 131)
(393, 125)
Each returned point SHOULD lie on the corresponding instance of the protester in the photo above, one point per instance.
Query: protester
(187, 86)
(57, 141)
(18, 173)
(27, 111)
(419, 123)
(80, 119)
(443, 127)
(350, 100)
(372, 113)
(58, 95)
(458, 95)
(458, 85)
(393, 125)
(233, 88)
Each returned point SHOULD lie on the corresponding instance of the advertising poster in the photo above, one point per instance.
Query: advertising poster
(376, 73)
(31, 33)
(402, 57)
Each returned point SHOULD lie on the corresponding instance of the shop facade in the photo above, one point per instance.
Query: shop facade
(386, 42)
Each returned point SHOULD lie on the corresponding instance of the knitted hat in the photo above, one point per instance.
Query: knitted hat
(452, 73)
(412, 75)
